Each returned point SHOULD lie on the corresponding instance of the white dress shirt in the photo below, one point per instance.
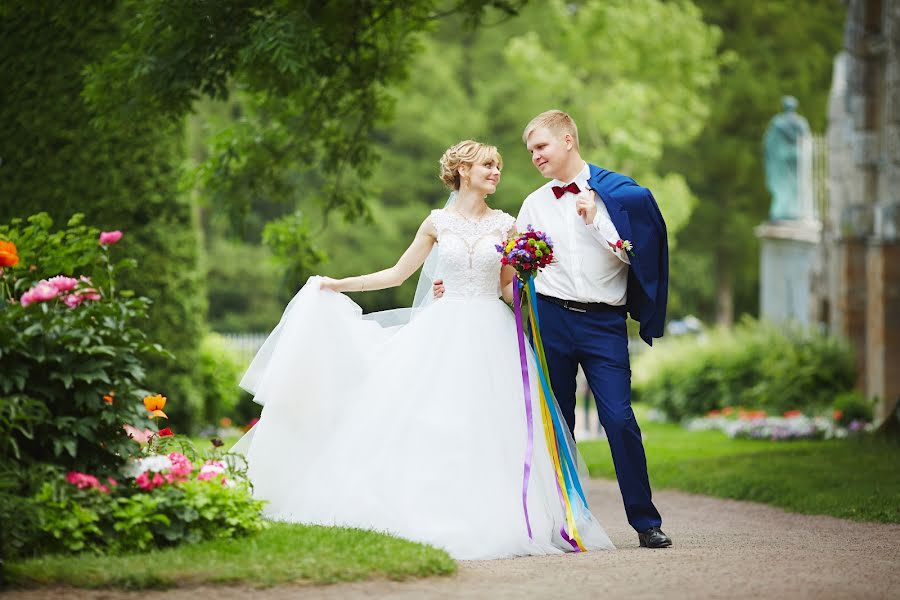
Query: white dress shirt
(585, 268)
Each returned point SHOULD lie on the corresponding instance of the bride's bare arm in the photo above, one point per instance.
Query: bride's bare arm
(411, 260)
(506, 278)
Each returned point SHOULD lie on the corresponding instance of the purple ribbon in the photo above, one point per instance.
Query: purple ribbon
(529, 445)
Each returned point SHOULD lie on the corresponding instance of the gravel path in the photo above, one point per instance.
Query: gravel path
(723, 549)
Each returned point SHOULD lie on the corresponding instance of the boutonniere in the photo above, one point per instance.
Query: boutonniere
(626, 245)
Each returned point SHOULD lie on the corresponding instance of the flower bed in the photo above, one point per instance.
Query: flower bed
(83, 465)
(792, 425)
(161, 499)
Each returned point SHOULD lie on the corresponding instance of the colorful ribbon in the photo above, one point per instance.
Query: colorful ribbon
(567, 482)
(529, 419)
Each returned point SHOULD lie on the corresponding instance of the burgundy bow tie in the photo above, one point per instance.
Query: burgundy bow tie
(560, 190)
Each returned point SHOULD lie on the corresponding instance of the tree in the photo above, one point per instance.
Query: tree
(314, 77)
(770, 49)
(56, 160)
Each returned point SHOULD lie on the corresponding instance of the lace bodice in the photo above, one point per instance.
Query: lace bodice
(468, 262)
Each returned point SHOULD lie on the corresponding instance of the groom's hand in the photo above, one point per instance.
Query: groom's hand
(586, 206)
(438, 288)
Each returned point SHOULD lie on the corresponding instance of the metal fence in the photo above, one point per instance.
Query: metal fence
(245, 345)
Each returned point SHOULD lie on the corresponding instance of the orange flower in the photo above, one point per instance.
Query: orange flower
(155, 404)
(792, 413)
(727, 411)
(9, 256)
(838, 414)
(110, 397)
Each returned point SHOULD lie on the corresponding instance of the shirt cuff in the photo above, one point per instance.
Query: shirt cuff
(605, 233)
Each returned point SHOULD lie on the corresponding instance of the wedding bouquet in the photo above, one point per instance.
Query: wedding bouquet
(527, 252)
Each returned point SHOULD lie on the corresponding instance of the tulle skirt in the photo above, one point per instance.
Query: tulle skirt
(417, 430)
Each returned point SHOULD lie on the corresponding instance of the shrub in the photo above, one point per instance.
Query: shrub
(18, 514)
(57, 159)
(220, 371)
(168, 502)
(852, 406)
(755, 365)
(71, 370)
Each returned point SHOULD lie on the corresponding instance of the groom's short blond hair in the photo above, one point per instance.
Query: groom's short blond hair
(556, 121)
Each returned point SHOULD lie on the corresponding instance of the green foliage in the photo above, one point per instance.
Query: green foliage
(753, 366)
(77, 520)
(58, 363)
(315, 76)
(244, 287)
(854, 478)
(769, 49)
(220, 371)
(58, 159)
(293, 245)
(282, 554)
(19, 515)
(853, 406)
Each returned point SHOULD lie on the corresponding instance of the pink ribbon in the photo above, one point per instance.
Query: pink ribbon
(529, 445)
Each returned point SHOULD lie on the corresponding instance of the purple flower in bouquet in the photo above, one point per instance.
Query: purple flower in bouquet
(527, 252)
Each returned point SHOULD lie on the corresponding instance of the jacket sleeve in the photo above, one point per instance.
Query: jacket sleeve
(651, 241)
(654, 323)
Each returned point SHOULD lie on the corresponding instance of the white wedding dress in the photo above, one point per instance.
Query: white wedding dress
(417, 430)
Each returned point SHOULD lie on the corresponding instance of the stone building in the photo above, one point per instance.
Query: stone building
(861, 243)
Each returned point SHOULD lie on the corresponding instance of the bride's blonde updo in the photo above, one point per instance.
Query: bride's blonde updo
(466, 152)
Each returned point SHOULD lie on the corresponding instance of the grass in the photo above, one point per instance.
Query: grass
(855, 478)
(281, 554)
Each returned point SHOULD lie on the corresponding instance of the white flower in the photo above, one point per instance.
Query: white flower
(155, 463)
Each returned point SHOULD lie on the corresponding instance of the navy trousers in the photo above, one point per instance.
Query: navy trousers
(599, 342)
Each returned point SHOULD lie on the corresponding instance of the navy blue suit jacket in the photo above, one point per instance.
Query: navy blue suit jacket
(637, 218)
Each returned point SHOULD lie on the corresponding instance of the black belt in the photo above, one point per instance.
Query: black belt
(584, 306)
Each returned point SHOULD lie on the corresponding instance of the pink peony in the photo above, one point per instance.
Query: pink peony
(143, 481)
(41, 292)
(83, 481)
(108, 238)
(211, 469)
(63, 283)
(88, 293)
(181, 465)
(72, 300)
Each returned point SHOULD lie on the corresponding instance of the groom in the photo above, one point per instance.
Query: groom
(611, 258)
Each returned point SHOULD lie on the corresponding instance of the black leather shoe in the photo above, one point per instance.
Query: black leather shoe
(654, 538)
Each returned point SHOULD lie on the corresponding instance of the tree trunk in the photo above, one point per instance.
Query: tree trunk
(724, 292)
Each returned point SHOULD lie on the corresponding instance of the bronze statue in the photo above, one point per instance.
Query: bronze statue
(781, 145)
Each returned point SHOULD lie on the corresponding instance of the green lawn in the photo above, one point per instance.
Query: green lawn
(855, 478)
(281, 554)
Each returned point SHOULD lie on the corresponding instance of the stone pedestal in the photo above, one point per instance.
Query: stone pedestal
(789, 251)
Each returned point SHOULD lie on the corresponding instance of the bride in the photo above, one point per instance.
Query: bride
(418, 430)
